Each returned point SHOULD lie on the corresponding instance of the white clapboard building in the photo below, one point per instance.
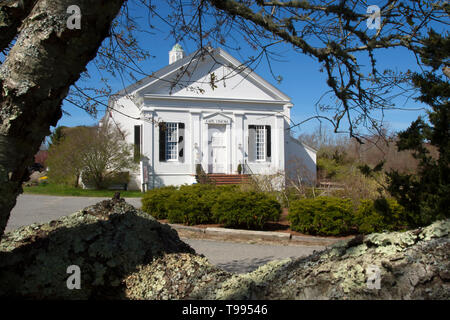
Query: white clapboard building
(208, 109)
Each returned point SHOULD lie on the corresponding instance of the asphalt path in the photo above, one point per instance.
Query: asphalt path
(31, 208)
(244, 257)
(231, 256)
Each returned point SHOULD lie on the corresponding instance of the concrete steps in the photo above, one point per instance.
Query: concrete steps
(221, 179)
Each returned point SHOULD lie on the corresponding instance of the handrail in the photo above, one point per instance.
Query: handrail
(255, 182)
(246, 166)
(200, 175)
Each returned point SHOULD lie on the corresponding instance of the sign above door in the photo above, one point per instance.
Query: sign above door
(217, 121)
(217, 118)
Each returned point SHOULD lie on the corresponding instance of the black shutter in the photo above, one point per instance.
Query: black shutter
(162, 141)
(268, 143)
(251, 143)
(181, 141)
(137, 143)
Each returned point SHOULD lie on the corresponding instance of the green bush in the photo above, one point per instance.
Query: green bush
(154, 201)
(380, 215)
(329, 168)
(249, 210)
(188, 208)
(192, 204)
(322, 216)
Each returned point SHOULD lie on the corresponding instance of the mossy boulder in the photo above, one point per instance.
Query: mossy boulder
(174, 276)
(124, 253)
(190, 276)
(412, 265)
(107, 241)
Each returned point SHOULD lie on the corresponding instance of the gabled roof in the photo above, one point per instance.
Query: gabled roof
(303, 144)
(253, 75)
(170, 69)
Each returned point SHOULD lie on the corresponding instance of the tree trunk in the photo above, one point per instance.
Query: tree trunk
(11, 15)
(45, 61)
(77, 178)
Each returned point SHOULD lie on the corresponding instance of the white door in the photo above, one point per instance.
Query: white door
(217, 148)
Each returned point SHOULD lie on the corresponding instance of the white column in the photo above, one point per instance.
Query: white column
(238, 130)
(147, 134)
(195, 138)
(278, 140)
(148, 143)
(230, 147)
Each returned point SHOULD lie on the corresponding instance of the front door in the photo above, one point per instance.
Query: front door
(217, 148)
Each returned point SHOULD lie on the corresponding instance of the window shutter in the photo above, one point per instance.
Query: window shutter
(251, 143)
(181, 141)
(268, 144)
(137, 142)
(162, 141)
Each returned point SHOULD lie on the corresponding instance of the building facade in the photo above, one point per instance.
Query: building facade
(207, 109)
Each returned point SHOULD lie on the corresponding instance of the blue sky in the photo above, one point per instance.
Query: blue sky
(302, 80)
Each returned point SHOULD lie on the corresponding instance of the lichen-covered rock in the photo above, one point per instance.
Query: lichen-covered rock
(411, 265)
(124, 253)
(108, 241)
(189, 276)
(241, 286)
(173, 276)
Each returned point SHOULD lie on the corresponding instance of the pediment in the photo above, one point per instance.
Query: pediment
(217, 118)
(217, 75)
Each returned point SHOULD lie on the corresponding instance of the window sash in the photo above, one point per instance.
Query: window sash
(260, 143)
(172, 141)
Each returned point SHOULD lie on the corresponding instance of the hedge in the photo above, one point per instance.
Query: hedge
(380, 215)
(322, 216)
(251, 210)
(188, 208)
(331, 216)
(190, 204)
(228, 205)
(205, 203)
(154, 201)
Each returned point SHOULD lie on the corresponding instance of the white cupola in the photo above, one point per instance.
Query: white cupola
(176, 53)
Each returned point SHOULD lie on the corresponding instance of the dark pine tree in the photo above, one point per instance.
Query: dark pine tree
(426, 195)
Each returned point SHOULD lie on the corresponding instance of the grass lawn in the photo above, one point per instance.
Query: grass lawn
(59, 190)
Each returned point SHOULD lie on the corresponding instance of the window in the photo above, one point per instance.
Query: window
(172, 141)
(260, 143)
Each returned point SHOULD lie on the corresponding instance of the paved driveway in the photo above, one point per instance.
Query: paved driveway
(244, 257)
(32, 208)
(231, 256)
